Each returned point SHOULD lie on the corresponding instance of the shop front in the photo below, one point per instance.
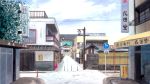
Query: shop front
(139, 55)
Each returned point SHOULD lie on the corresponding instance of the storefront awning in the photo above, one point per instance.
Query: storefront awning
(134, 40)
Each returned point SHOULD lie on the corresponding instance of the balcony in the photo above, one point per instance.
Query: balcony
(49, 38)
(52, 39)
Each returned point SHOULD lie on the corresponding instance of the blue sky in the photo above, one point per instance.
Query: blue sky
(98, 16)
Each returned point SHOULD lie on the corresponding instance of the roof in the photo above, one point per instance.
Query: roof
(136, 36)
(134, 40)
(68, 36)
(92, 46)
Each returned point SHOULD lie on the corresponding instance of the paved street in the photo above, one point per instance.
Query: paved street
(69, 72)
(62, 77)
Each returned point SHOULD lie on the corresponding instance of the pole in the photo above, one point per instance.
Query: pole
(84, 48)
(105, 63)
(134, 17)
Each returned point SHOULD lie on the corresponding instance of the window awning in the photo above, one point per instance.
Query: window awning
(134, 40)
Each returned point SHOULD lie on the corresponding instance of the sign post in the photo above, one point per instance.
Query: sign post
(106, 47)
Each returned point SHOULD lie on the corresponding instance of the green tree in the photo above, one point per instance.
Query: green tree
(9, 20)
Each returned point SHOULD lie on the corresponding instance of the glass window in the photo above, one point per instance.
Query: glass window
(32, 36)
(147, 13)
(142, 17)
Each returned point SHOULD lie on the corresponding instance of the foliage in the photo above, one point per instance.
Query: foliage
(9, 20)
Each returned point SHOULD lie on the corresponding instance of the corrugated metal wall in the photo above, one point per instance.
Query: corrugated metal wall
(6, 65)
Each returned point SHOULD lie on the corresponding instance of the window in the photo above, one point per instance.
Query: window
(142, 16)
(32, 36)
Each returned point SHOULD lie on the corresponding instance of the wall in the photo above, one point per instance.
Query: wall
(44, 60)
(138, 2)
(143, 27)
(40, 26)
(131, 69)
(131, 17)
(117, 58)
(145, 57)
(6, 65)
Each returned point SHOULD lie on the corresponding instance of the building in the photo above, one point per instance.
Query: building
(10, 36)
(91, 38)
(139, 42)
(114, 59)
(67, 44)
(43, 43)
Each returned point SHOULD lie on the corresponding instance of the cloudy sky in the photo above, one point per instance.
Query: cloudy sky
(97, 16)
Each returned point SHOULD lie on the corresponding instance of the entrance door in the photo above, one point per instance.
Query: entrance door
(138, 63)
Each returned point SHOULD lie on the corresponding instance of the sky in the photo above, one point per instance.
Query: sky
(97, 16)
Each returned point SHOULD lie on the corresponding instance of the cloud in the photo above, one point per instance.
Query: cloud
(72, 9)
(76, 14)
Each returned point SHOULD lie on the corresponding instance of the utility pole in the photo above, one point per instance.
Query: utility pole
(83, 55)
(84, 48)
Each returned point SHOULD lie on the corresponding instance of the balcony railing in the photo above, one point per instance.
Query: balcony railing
(49, 38)
(52, 39)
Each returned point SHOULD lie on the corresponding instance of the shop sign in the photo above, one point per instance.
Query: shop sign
(134, 42)
(125, 16)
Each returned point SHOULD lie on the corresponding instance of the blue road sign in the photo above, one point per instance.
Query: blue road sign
(105, 45)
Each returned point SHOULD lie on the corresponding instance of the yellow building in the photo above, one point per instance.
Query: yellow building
(114, 59)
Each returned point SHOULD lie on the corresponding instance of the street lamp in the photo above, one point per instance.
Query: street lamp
(83, 56)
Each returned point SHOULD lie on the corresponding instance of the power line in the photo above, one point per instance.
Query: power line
(76, 20)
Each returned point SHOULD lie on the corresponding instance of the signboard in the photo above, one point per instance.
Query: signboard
(67, 43)
(106, 47)
(125, 16)
(44, 55)
(124, 71)
(134, 42)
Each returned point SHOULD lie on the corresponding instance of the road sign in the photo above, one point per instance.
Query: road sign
(106, 51)
(105, 45)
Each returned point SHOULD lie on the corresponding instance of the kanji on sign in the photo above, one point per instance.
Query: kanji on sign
(125, 13)
(125, 19)
(125, 27)
(125, 16)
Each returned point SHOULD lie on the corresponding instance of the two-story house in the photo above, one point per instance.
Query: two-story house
(43, 43)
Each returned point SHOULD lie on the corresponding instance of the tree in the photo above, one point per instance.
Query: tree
(9, 20)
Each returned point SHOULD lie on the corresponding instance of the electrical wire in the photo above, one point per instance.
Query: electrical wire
(76, 20)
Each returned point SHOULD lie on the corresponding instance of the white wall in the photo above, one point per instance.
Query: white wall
(131, 17)
(46, 55)
(40, 26)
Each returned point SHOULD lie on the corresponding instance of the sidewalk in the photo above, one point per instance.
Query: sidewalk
(116, 80)
(29, 80)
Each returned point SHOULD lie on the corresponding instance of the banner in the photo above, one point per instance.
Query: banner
(125, 16)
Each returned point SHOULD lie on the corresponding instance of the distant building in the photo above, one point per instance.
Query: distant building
(67, 44)
(91, 38)
(43, 43)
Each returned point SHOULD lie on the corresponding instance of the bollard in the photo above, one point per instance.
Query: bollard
(37, 73)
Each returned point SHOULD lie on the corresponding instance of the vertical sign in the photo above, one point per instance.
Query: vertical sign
(125, 16)
(24, 19)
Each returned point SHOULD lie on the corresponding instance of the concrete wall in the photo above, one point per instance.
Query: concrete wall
(131, 66)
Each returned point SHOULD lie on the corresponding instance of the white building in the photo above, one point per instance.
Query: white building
(43, 42)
